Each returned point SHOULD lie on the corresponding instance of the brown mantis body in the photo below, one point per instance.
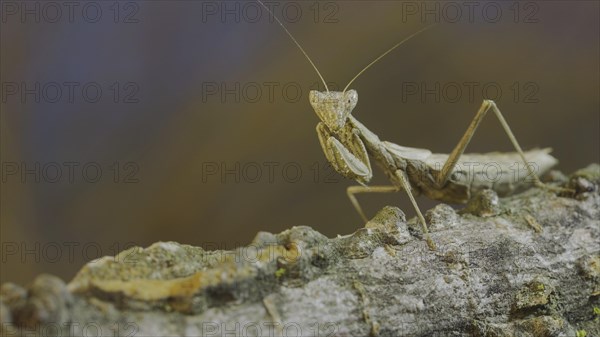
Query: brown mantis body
(348, 144)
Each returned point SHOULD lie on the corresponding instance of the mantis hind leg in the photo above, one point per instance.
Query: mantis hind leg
(452, 160)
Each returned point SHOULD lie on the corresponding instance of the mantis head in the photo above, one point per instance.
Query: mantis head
(345, 151)
(333, 107)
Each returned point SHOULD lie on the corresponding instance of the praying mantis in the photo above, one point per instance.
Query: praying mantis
(348, 146)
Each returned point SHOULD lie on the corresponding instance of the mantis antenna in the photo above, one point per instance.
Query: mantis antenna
(387, 52)
(297, 44)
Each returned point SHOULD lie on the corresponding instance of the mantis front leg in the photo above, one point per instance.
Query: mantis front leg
(347, 155)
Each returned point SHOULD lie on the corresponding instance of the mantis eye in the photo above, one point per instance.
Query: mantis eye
(351, 97)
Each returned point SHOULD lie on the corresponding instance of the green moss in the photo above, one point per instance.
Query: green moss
(596, 311)
(537, 287)
(279, 272)
(581, 333)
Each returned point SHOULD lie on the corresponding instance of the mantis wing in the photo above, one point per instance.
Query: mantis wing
(404, 152)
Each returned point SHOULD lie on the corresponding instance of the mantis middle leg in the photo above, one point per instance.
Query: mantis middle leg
(352, 190)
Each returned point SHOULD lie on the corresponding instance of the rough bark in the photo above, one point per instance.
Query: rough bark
(527, 265)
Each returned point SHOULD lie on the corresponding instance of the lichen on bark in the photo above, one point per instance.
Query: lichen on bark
(526, 265)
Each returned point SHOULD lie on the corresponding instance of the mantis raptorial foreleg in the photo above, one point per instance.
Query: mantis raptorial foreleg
(448, 167)
(351, 160)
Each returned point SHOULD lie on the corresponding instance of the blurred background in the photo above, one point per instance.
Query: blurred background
(129, 122)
